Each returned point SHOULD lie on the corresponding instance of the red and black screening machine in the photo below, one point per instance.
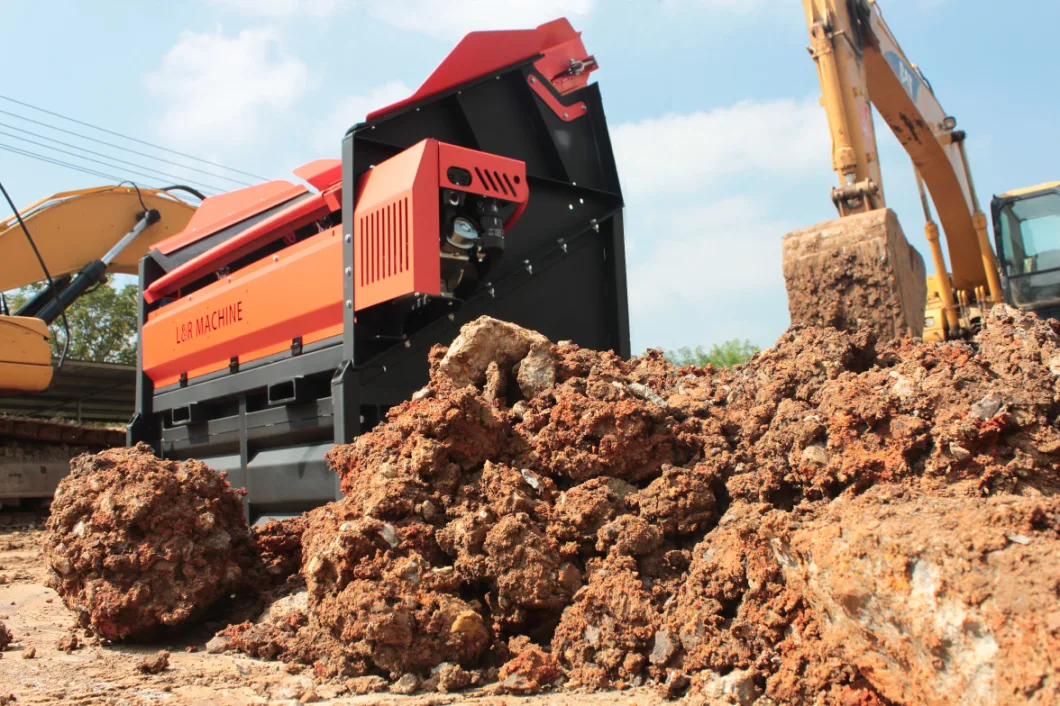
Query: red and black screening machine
(285, 319)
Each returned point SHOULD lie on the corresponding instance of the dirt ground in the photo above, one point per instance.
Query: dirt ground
(97, 674)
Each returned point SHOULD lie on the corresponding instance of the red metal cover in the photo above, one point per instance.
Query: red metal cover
(396, 228)
(491, 175)
(482, 53)
(559, 49)
(275, 226)
(224, 210)
(321, 173)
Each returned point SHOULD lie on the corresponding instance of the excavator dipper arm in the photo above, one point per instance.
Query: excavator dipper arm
(860, 63)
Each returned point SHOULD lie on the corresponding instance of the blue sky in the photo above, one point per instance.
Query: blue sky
(712, 105)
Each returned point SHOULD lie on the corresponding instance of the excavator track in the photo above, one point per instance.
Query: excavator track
(35, 454)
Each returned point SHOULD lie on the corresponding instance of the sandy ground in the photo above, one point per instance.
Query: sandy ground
(96, 674)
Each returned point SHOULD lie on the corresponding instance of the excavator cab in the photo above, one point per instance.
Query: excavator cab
(1027, 236)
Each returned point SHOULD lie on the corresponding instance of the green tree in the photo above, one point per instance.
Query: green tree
(102, 324)
(724, 355)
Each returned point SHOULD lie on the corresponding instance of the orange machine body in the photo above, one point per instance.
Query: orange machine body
(294, 295)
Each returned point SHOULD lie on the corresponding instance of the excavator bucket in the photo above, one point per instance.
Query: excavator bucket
(856, 273)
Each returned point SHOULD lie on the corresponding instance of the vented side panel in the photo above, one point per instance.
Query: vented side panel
(502, 184)
(384, 237)
(396, 228)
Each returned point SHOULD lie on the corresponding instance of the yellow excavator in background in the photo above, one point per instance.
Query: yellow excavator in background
(860, 64)
(72, 240)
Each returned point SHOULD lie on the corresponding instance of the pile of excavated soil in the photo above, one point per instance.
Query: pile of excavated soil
(831, 523)
(135, 542)
(834, 522)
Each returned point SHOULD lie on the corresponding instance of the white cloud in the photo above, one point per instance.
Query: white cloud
(712, 274)
(703, 245)
(221, 92)
(448, 19)
(443, 19)
(354, 109)
(707, 253)
(683, 153)
(282, 8)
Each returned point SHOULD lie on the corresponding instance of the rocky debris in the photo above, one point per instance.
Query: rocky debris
(414, 462)
(732, 608)
(293, 688)
(970, 616)
(69, 642)
(908, 412)
(536, 373)
(581, 512)
(5, 637)
(278, 546)
(154, 664)
(374, 590)
(487, 341)
(219, 644)
(606, 634)
(372, 684)
(591, 428)
(30, 653)
(407, 685)
(448, 678)
(531, 670)
(737, 688)
(276, 634)
(134, 542)
(680, 502)
(618, 523)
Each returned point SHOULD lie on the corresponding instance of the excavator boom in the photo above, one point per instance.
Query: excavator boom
(74, 228)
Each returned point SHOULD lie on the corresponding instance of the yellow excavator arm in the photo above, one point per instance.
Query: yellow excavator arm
(859, 64)
(74, 228)
(80, 235)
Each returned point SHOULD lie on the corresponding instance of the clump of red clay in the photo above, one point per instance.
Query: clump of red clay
(277, 544)
(135, 543)
(545, 516)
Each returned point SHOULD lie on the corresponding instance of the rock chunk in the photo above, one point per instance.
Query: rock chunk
(154, 664)
(134, 542)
